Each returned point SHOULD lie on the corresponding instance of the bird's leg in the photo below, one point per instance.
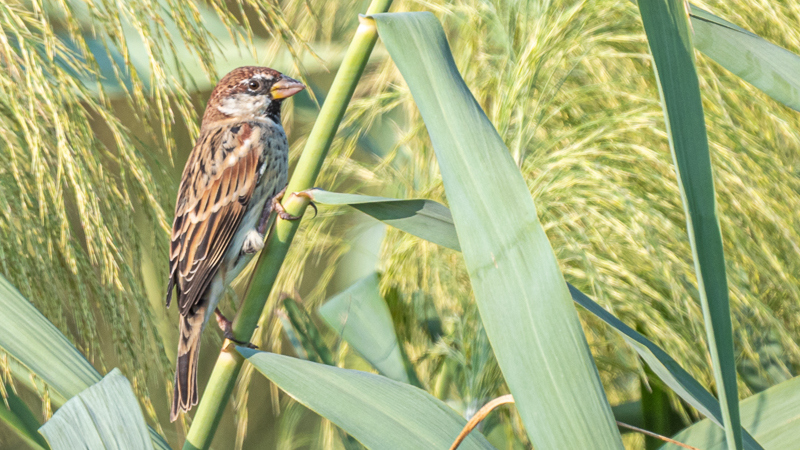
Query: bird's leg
(227, 331)
(278, 208)
(263, 221)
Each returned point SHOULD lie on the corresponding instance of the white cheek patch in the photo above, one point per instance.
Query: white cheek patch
(243, 105)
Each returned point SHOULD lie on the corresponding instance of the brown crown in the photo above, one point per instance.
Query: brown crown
(230, 84)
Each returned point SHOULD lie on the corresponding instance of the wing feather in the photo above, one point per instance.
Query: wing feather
(215, 191)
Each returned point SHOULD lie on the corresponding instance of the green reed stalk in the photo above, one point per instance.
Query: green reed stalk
(229, 363)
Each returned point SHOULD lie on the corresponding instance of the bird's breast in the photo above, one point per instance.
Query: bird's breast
(273, 174)
(273, 164)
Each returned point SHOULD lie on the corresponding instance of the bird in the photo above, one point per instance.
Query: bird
(233, 180)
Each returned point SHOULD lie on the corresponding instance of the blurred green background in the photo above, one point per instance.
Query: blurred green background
(111, 92)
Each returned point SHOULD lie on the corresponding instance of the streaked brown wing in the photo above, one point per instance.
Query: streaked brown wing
(216, 187)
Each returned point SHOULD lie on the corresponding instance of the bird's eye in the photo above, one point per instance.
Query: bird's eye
(254, 85)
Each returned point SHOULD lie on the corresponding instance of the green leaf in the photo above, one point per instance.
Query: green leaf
(41, 349)
(20, 419)
(105, 416)
(520, 291)
(379, 412)
(663, 365)
(771, 68)
(35, 342)
(666, 368)
(426, 219)
(772, 416)
(361, 317)
(666, 24)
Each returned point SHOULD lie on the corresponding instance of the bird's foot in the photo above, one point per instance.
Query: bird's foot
(278, 207)
(227, 330)
(253, 242)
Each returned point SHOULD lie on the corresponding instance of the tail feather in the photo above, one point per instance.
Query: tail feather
(185, 396)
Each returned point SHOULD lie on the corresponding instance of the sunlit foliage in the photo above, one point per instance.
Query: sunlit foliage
(94, 94)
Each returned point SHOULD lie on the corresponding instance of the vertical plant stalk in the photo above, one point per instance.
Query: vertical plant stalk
(666, 23)
(229, 363)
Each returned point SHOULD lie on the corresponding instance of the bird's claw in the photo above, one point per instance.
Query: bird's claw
(229, 336)
(227, 330)
(281, 212)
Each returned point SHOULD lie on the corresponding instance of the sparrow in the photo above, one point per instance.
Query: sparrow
(232, 182)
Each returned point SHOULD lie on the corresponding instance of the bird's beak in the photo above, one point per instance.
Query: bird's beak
(285, 88)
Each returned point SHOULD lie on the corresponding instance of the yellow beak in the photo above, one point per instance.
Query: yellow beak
(285, 88)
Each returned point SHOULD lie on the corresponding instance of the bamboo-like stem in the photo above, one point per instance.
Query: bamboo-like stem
(220, 385)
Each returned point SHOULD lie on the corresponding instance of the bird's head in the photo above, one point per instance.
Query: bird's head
(251, 92)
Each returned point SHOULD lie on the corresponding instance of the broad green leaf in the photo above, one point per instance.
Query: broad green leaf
(520, 291)
(379, 412)
(767, 66)
(772, 416)
(104, 416)
(33, 341)
(315, 348)
(666, 23)
(361, 317)
(426, 219)
(663, 365)
(20, 419)
(771, 68)
(666, 368)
